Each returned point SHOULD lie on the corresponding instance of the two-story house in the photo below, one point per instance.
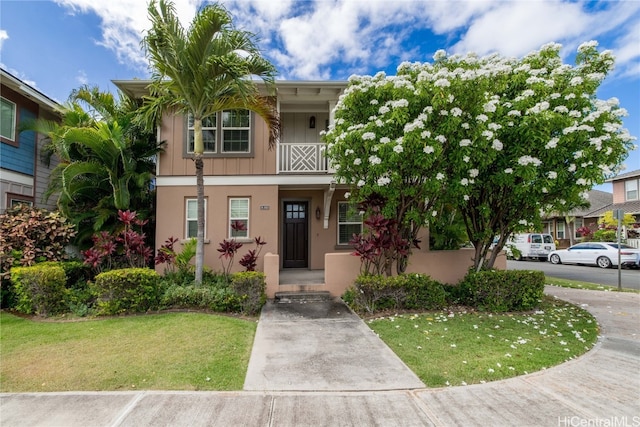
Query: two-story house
(24, 175)
(287, 196)
(626, 197)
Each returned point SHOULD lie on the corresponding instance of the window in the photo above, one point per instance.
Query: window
(230, 130)
(577, 223)
(560, 230)
(191, 218)
(239, 218)
(631, 189)
(349, 222)
(7, 119)
(235, 131)
(208, 134)
(15, 202)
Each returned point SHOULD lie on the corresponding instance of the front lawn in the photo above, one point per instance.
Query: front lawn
(458, 348)
(174, 351)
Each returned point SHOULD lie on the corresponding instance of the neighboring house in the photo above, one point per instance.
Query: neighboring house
(24, 176)
(564, 228)
(288, 196)
(626, 197)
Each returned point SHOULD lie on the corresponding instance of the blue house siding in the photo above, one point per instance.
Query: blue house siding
(20, 158)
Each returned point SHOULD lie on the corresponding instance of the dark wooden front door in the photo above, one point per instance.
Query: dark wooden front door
(294, 239)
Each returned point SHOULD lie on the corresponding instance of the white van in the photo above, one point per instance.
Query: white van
(530, 246)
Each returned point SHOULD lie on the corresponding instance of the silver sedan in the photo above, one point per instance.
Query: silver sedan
(602, 254)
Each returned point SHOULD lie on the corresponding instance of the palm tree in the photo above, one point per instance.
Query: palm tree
(106, 160)
(204, 69)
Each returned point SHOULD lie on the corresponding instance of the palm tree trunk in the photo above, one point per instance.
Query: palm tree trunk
(198, 150)
(200, 235)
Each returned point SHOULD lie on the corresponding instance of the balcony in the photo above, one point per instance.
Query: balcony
(306, 158)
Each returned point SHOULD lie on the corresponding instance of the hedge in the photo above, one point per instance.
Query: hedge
(127, 290)
(39, 289)
(503, 290)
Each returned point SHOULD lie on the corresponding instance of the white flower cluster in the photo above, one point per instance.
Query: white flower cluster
(528, 160)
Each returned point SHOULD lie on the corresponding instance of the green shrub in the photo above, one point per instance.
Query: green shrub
(249, 287)
(503, 290)
(219, 299)
(374, 292)
(80, 297)
(605, 235)
(128, 290)
(39, 289)
(77, 273)
(422, 292)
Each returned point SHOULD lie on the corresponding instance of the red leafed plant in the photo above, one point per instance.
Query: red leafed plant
(229, 248)
(381, 243)
(125, 248)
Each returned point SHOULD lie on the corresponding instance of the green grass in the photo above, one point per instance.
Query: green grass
(462, 348)
(575, 284)
(175, 351)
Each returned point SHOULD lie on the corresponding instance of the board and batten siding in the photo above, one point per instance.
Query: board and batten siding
(173, 161)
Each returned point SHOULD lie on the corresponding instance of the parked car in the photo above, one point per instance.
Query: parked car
(530, 245)
(602, 254)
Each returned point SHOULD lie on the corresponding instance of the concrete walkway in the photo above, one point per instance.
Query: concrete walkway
(321, 346)
(601, 388)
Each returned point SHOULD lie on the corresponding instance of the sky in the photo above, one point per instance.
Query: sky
(59, 45)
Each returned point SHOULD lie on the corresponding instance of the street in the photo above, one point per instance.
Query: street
(591, 274)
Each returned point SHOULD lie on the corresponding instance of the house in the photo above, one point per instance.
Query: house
(564, 228)
(626, 197)
(24, 175)
(286, 196)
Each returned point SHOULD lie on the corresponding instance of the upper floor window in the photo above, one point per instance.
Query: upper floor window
(7, 119)
(227, 132)
(631, 189)
(349, 222)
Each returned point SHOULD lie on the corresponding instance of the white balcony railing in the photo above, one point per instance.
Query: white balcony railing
(302, 158)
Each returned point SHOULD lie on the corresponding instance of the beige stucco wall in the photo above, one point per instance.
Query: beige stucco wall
(263, 222)
(341, 270)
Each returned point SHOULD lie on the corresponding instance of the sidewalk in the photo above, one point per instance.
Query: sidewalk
(600, 388)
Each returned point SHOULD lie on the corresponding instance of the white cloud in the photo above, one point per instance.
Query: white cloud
(3, 36)
(309, 39)
(516, 28)
(81, 77)
(124, 23)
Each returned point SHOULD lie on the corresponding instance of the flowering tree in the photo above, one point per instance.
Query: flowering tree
(501, 139)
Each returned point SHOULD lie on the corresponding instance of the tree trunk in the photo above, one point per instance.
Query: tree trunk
(200, 235)
(198, 150)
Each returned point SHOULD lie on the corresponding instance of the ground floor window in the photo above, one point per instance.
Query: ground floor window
(239, 217)
(577, 224)
(349, 222)
(191, 218)
(560, 230)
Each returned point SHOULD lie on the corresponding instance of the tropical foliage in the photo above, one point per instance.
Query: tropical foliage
(107, 160)
(29, 235)
(500, 139)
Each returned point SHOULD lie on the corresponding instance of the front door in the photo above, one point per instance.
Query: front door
(294, 239)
